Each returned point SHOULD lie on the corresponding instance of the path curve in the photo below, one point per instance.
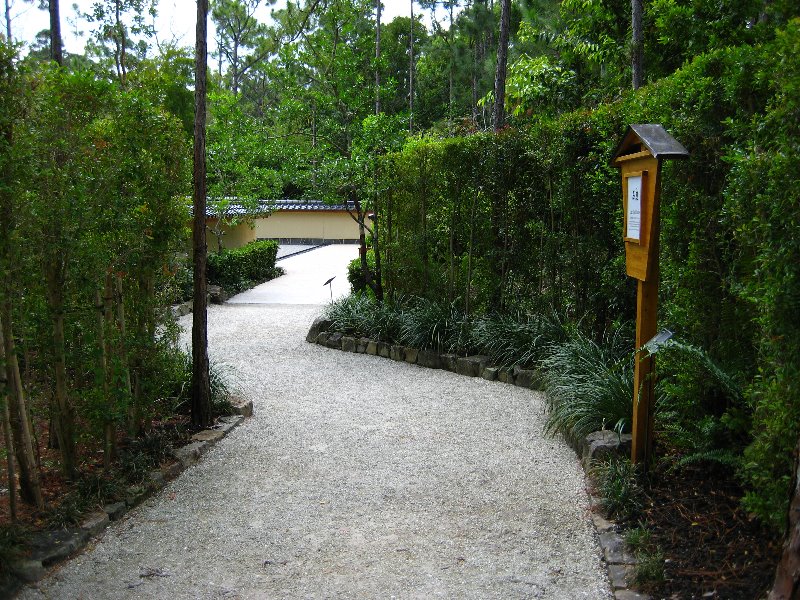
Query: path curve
(358, 477)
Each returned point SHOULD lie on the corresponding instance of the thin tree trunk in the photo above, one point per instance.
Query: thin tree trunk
(378, 57)
(201, 387)
(104, 323)
(235, 69)
(6, 399)
(8, 21)
(387, 246)
(475, 83)
(637, 44)
(411, 73)
(787, 574)
(56, 52)
(122, 352)
(452, 247)
(366, 272)
(378, 279)
(469, 255)
(314, 144)
(19, 420)
(10, 470)
(122, 43)
(499, 117)
(451, 96)
(62, 410)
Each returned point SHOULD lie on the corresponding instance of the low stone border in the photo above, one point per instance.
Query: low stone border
(470, 366)
(47, 548)
(620, 562)
(216, 295)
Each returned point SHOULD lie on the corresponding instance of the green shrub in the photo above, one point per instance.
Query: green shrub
(589, 386)
(356, 276)
(618, 485)
(360, 315)
(241, 268)
(431, 325)
(649, 567)
(516, 340)
(763, 211)
(700, 409)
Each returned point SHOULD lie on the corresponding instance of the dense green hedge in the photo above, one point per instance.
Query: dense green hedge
(238, 269)
(531, 219)
(354, 274)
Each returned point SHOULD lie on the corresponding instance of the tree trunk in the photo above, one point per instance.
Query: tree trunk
(378, 57)
(475, 84)
(8, 23)
(387, 246)
(235, 69)
(123, 59)
(378, 279)
(366, 272)
(133, 411)
(411, 73)
(10, 469)
(19, 419)
(451, 96)
(499, 116)
(109, 441)
(468, 293)
(62, 410)
(787, 575)
(637, 44)
(56, 52)
(201, 387)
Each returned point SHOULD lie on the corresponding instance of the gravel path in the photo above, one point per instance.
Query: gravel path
(358, 477)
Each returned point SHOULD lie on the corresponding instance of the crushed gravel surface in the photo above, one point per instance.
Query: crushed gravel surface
(357, 477)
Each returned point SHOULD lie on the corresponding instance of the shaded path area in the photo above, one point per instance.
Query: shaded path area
(357, 477)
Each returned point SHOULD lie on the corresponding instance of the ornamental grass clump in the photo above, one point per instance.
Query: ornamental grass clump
(430, 325)
(510, 340)
(351, 315)
(619, 487)
(588, 386)
(360, 315)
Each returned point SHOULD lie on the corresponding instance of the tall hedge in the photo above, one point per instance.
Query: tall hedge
(240, 268)
(530, 219)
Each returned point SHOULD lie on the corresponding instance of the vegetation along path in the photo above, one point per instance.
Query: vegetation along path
(357, 477)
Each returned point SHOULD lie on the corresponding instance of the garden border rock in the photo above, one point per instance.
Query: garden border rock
(620, 561)
(43, 549)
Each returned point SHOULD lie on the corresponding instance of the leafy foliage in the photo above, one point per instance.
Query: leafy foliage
(589, 386)
(619, 487)
(511, 340)
(238, 269)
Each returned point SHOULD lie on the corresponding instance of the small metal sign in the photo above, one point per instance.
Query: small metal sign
(654, 343)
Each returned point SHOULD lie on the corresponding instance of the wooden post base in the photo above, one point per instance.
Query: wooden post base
(646, 306)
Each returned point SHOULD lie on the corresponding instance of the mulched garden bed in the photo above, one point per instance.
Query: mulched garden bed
(712, 547)
(174, 432)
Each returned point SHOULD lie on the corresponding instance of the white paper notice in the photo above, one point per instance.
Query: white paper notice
(634, 217)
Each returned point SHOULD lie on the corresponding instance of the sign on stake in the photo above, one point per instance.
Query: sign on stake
(638, 158)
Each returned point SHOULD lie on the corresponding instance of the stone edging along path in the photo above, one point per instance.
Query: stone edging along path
(620, 562)
(48, 548)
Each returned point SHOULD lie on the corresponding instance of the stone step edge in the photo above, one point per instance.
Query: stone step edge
(34, 567)
(470, 366)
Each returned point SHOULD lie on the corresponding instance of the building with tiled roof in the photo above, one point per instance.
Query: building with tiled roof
(289, 222)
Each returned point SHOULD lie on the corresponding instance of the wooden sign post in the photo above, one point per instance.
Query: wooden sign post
(639, 157)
